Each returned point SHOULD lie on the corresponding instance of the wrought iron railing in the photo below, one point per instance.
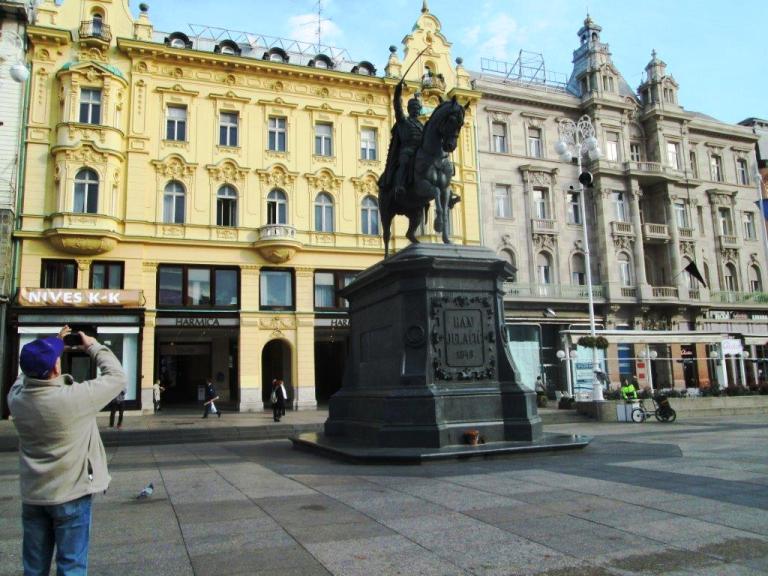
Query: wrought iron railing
(728, 297)
(95, 29)
(562, 291)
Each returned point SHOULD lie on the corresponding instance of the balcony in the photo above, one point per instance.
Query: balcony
(685, 233)
(83, 234)
(651, 172)
(95, 30)
(628, 292)
(665, 292)
(729, 297)
(544, 226)
(694, 294)
(622, 228)
(551, 291)
(729, 241)
(277, 242)
(655, 232)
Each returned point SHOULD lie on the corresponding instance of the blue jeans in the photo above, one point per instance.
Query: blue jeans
(67, 526)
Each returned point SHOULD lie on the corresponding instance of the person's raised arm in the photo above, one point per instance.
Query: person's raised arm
(398, 101)
(111, 379)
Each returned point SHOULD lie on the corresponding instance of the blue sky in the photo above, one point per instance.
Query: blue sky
(712, 48)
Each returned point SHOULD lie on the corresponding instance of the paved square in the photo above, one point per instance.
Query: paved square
(674, 500)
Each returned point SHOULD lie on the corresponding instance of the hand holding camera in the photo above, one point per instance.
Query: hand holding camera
(76, 339)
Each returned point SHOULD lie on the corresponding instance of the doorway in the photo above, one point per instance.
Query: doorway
(329, 368)
(276, 363)
(183, 370)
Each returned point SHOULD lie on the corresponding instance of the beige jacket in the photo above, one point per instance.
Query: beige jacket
(60, 450)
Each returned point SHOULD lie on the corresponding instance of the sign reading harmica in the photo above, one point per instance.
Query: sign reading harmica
(72, 297)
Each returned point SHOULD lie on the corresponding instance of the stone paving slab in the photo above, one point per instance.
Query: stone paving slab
(261, 508)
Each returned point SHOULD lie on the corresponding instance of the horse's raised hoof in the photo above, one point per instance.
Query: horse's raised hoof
(412, 238)
(454, 199)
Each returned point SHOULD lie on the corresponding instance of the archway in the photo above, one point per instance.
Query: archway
(276, 363)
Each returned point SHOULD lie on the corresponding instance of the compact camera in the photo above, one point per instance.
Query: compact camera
(73, 339)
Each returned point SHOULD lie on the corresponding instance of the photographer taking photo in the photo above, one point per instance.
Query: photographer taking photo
(61, 455)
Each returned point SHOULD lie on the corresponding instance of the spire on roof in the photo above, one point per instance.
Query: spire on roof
(424, 7)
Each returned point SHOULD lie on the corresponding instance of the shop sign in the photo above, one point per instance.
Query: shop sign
(70, 297)
(759, 316)
(732, 346)
(197, 322)
(719, 315)
(333, 322)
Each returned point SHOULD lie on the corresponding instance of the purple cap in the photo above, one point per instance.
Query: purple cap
(39, 357)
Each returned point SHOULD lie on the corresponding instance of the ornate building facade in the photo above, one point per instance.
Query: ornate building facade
(672, 188)
(197, 200)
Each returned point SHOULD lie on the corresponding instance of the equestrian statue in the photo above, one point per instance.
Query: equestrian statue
(419, 168)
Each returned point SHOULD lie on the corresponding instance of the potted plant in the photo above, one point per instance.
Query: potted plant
(599, 342)
(472, 437)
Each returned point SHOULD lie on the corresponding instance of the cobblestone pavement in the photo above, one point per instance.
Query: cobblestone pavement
(682, 499)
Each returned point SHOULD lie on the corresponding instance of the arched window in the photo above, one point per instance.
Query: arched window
(730, 279)
(543, 268)
(578, 274)
(755, 279)
(98, 21)
(323, 213)
(173, 203)
(277, 207)
(369, 216)
(86, 192)
(226, 206)
(626, 277)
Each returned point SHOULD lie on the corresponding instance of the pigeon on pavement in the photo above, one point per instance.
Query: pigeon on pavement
(146, 491)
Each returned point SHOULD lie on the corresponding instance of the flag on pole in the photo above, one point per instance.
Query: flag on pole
(693, 270)
(763, 203)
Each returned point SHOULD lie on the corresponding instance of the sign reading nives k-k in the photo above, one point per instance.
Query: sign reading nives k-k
(78, 298)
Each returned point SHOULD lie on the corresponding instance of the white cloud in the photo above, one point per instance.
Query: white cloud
(497, 38)
(303, 27)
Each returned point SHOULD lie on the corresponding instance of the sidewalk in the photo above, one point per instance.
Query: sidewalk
(187, 426)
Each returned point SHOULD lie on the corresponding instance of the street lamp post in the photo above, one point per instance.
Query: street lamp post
(577, 139)
(566, 356)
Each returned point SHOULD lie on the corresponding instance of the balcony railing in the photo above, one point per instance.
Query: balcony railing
(277, 232)
(563, 291)
(629, 292)
(685, 233)
(652, 231)
(694, 294)
(622, 228)
(727, 297)
(664, 292)
(652, 168)
(95, 29)
(544, 225)
(729, 241)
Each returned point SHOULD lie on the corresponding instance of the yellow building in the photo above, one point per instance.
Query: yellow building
(195, 200)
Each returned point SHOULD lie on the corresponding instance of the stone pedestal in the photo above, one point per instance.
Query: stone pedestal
(428, 358)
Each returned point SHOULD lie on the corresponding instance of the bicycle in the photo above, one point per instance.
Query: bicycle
(662, 411)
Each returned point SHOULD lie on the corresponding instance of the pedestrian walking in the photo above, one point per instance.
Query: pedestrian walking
(278, 398)
(117, 405)
(209, 407)
(157, 390)
(61, 456)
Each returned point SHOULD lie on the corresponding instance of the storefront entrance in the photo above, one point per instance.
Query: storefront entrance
(183, 370)
(329, 368)
(276, 363)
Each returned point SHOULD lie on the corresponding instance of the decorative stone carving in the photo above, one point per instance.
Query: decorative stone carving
(174, 166)
(623, 242)
(278, 253)
(226, 233)
(688, 249)
(366, 184)
(82, 243)
(277, 176)
(278, 323)
(544, 241)
(729, 254)
(324, 180)
(227, 171)
(172, 231)
(149, 267)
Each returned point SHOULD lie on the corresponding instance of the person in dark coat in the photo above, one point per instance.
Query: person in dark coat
(279, 396)
(210, 397)
(117, 405)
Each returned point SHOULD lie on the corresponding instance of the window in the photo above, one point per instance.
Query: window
(673, 154)
(620, 206)
(226, 206)
(58, 274)
(277, 208)
(90, 106)
(729, 276)
(534, 142)
(742, 176)
(198, 286)
(543, 268)
(502, 201)
(369, 216)
(327, 285)
(634, 152)
(277, 132)
(578, 275)
(86, 192)
(368, 144)
(323, 140)
(693, 164)
(716, 168)
(608, 85)
(574, 207)
(700, 217)
(755, 280)
(541, 203)
(625, 270)
(107, 275)
(749, 226)
(228, 122)
(499, 137)
(612, 147)
(276, 289)
(323, 213)
(724, 216)
(681, 215)
(173, 203)
(176, 123)
(97, 24)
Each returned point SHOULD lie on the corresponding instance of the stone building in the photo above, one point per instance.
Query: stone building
(671, 188)
(197, 199)
(13, 20)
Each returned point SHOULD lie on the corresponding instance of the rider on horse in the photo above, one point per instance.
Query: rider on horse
(406, 137)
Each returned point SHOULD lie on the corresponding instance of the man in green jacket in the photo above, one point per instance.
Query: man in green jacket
(628, 391)
(61, 455)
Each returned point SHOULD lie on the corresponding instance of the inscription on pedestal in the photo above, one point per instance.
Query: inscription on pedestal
(463, 338)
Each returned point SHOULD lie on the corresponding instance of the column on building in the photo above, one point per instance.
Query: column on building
(674, 248)
(250, 341)
(644, 290)
(304, 383)
(148, 286)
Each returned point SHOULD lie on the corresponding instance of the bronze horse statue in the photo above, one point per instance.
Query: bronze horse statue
(428, 178)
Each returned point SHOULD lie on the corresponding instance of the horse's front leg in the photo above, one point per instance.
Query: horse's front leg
(445, 198)
(426, 189)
